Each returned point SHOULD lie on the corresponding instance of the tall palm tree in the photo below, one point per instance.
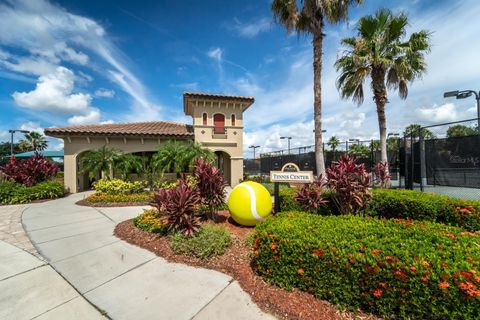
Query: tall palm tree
(308, 17)
(333, 143)
(100, 161)
(34, 141)
(381, 52)
(415, 130)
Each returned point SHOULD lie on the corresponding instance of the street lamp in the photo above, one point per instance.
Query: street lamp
(288, 138)
(354, 140)
(465, 94)
(254, 147)
(11, 138)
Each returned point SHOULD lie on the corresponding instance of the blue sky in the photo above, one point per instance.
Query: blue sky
(77, 62)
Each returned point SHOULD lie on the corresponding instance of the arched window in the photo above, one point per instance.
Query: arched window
(233, 119)
(204, 119)
(218, 123)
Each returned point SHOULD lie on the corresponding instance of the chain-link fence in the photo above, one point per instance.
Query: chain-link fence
(444, 159)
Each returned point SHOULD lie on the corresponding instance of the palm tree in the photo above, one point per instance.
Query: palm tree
(195, 151)
(415, 129)
(128, 163)
(100, 161)
(333, 143)
(308, 17)
(170, 157)
(34, 141)
(380, 52)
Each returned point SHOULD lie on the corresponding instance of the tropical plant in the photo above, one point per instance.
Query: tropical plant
(29, 171)
(460, 130)
(359, 150)
(381, 52)
(414, 130)
(100, 161)
(179, 205)
(33, 141)
(309, 197)
(178, 157)
(308, 17)
(118, 187)
(349, 182)
(381, 174)
(126, 164)
(211, 185)
(375, 145)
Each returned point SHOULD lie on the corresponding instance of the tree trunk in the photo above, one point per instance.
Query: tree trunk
(380, 97)
(317, 102)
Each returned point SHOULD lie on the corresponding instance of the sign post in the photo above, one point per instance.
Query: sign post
(290, 173)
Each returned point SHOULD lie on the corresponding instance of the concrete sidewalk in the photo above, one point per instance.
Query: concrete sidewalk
(125, 281)
(30, 288)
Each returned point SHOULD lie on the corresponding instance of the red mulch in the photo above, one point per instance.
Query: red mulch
(236, 263)
(86, 203)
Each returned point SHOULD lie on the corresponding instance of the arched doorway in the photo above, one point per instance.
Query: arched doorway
(84, 180)
(223, 163)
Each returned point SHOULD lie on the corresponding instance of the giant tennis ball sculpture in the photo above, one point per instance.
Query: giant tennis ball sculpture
(249, 203)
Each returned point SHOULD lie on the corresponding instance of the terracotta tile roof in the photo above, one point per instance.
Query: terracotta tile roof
(202, 95)
(154, 128)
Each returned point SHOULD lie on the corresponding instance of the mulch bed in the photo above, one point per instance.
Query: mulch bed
(236, 263)
(86, 203)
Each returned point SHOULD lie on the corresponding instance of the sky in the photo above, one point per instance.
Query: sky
(82, 62)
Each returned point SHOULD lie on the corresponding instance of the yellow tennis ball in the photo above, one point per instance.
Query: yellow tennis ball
(249, 203)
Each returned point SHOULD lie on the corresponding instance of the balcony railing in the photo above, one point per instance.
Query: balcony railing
(219, 130)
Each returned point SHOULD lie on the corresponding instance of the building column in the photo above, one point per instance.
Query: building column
(236, 170)
(70, 173)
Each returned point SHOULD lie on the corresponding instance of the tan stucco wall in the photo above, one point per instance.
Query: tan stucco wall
(75, 146)
(230, 143)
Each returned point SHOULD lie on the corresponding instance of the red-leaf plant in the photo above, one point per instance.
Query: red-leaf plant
(382, 176)
(179, 206)
(211, 185)
(349, 182)
(309, 197)
(30, 171)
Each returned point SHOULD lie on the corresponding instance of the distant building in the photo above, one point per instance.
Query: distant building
(217, 125)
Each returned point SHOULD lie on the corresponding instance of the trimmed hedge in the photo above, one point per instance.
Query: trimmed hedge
(416, 205)
(121, 198)
(401, 269)
(15, 193)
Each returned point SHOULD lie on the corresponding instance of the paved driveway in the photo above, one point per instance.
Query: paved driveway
(125, 281)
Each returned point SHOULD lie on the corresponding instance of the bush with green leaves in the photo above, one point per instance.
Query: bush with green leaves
(14, 193)
(118, 187)
(288, 202)
(140, 198)
(394, 268)
(209, 241)
(416, 205)
(151, 221)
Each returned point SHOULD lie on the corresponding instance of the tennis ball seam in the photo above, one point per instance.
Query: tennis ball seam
(253, 202)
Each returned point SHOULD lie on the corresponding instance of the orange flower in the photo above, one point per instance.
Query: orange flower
(376, 252)
(413, 269)
(273, 246)
(443, 285)
(378, 293)
(470, 289)
(318, 253)
(300, 271)
(425, 264)
(424, 280)
(450, 235)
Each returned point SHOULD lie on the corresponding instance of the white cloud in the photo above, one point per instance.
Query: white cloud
(31, 126)
(215, 54)
(54, 94)
(104, 93)
(60, 37)
(251, 29)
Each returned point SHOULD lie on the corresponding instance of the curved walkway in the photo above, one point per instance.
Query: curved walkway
(125, 281)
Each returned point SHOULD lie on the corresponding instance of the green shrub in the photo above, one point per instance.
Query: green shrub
(209, 241)
(120, 198)
(270, 186)
(410, 204)
(118, 187)
(402, 269)
(14, 193)
(150, 221)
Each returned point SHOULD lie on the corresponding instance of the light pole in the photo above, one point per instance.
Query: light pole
(465, 94)
(288, 138)
(11, 138)
(254, 147)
